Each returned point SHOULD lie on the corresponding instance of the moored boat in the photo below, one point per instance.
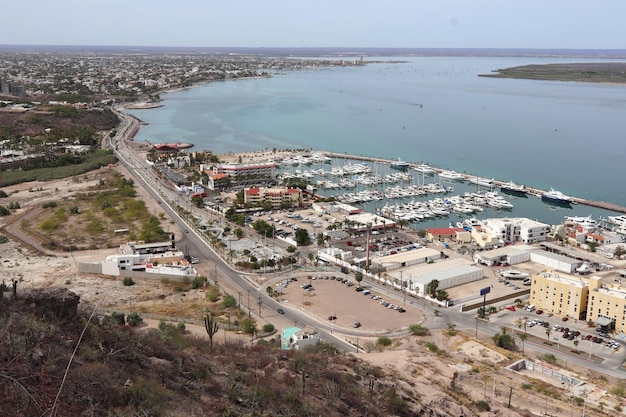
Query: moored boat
(424, 169)
(400, 164)
(512, 188)
(556, 197)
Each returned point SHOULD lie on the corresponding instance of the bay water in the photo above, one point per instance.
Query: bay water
(564, 135)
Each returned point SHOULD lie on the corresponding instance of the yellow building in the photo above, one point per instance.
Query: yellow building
(561, 294)
(607, 306)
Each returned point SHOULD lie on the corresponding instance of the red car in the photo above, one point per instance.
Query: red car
(564, 319)
(511, 308)
(539, 311)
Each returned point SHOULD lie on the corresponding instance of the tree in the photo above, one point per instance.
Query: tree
(523, 337)
(548, 331)
(358, 277)
(504, 340)
(302, 237)
(211, 327)
(576, 342)
(431, 288)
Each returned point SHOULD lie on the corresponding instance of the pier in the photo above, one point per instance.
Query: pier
(496, 183)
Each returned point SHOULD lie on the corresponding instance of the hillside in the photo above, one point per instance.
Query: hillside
(120, 370)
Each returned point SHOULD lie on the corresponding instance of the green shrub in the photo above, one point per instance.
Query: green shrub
(134, 319)
(268, 328)
(384, 341)
(432, 347)
(128, 281)
(482, 405)
(418, 330)
(549, 358)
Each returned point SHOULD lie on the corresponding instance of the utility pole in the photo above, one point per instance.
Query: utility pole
(510, 395)
(260, 303)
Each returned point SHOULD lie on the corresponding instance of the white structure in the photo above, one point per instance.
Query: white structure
(450, 273)
(404, 259)
(555, 261)
(517, 229)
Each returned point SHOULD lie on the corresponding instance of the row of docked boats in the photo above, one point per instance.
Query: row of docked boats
(468, 203)
(392, 193)
(351, 175)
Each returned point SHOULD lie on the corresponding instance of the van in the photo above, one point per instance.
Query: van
(530, 308)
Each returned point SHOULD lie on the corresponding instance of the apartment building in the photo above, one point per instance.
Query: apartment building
(561, 294)
(275, 197)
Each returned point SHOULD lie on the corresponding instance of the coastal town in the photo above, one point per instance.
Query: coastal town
(286, 229)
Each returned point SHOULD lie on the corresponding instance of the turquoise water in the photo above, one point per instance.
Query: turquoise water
(568, 136)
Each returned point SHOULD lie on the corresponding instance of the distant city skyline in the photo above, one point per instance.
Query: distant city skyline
(557, 24)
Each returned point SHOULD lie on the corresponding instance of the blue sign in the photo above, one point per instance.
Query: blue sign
(485, 291)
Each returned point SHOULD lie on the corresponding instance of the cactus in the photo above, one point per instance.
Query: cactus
(211, 326)
(3, 288)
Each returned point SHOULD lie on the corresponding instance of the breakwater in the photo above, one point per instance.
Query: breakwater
(496, 183)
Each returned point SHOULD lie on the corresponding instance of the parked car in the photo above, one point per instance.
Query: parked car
(539, 312)
(357, 324)
(510, 308)
(281, 311)
(564, 319)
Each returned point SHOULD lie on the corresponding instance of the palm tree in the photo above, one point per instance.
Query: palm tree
(523, 337)
(576, 342)
(548, 331)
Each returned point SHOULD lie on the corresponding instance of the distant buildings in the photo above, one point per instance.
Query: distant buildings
(12, 89)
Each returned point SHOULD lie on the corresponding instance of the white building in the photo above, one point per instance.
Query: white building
(518, 229)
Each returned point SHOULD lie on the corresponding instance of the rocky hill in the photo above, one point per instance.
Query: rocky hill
(57, 361)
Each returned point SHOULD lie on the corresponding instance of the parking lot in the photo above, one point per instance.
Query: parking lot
(376, 312)
(561, 331)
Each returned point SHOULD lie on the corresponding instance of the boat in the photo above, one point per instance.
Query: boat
(424, 169)
(514, 274)
(400, 164)
(484, 182)
(512, 188)
(619, 221)
(582, 221)
(556, 197)
(451, 175)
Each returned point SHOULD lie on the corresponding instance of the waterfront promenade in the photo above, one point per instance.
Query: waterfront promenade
(497, 183)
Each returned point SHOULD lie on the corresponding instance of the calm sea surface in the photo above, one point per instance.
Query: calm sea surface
(569, 136)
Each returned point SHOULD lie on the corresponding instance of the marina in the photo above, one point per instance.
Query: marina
(495, 183)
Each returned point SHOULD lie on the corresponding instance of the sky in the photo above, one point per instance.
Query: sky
(540, 24)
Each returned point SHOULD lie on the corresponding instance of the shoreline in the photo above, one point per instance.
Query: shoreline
(130, 137)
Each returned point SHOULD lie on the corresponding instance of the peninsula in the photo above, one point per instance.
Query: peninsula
(600, 72)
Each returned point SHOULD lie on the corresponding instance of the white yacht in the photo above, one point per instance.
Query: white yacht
(485, 182)
(451, 175)
(514, 274)
(618, 220)
(512, 188)
(424, 169)
(556, 197)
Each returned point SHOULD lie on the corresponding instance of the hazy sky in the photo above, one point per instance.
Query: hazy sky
(573, 24)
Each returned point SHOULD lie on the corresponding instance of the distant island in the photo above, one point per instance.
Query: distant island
(600, 72)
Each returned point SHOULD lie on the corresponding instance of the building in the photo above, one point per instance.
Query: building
(296, 338)
(448, 273)
(448, 234)
(561, 294)
(274, 197)
(607, 306)
(517, 229)
(246, 175)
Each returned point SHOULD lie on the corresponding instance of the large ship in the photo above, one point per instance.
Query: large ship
(424, 169)
(556, 197)
(400, 164)
(512, 188)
